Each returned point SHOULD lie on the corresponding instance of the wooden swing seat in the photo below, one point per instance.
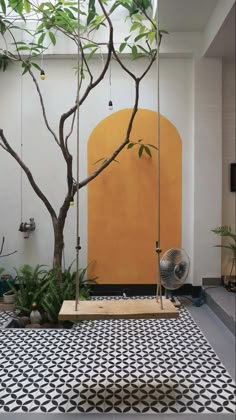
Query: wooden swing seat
(117, 309)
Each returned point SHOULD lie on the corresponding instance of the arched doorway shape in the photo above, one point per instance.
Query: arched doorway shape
(122, 201)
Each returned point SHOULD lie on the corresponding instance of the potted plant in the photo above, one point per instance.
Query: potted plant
(6, 282)
(9, 297)
(226, 231)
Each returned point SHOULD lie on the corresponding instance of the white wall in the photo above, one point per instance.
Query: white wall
(190, 94)
(207, 186)
(228, 154)
(20, 108)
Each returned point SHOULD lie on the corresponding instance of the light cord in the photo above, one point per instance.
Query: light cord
(110, 81)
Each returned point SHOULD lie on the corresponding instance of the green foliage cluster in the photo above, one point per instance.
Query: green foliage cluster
(62, 16)
(55, 295)
(4, 62)
(226, 231)
(41, 286)
(32, 284)
(142, 147)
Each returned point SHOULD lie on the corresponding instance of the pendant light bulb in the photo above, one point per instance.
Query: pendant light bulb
(42, 75)
(110, 105)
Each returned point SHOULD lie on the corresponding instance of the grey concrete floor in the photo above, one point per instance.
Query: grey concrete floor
(220, 338)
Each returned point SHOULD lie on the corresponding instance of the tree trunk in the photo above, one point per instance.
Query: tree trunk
(58, 249)
(58, 226)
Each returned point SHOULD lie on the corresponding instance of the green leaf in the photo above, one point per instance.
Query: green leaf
(25, 67)
(140, 140)
(27, 6)
(147, 52)
(91, 45)
(152, 145)
(23, 48)
(130, 145)
(36, 66)
(69, 13)
(134, 26)
(52, 37)
(92, 53)
(91, 16)
(148, 151)
(122, 46)
(17, 5)
(99, 160)
(41, 38)
(3, 6)
(114, 6)
(3, 27)
(141, 149)
(138, 37)
(134, 51)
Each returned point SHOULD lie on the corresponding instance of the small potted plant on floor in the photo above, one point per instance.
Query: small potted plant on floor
(6, 291)
(226, 231)
(9, 297)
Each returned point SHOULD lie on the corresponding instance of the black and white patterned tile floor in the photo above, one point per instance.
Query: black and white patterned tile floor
(118, 366)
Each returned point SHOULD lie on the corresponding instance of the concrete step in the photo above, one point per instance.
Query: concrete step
(223, 303)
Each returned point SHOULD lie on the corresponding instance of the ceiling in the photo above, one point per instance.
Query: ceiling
(185, 15)
(193, 16)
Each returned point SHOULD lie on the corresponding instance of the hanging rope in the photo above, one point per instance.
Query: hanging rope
(158, 248)
(110, 104)
(77, 166)
(21, 149)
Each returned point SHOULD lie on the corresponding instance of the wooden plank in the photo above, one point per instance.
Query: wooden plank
(117, 309)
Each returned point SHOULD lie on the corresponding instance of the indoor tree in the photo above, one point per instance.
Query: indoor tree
(80, 23)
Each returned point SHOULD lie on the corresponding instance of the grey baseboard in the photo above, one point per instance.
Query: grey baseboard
(212, 281)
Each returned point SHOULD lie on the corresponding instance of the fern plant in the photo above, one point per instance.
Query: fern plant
(226, 231)
(32, 284)
(55, 295)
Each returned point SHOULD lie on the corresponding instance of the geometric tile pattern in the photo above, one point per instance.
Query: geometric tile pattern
(5, 316)
(114, 366)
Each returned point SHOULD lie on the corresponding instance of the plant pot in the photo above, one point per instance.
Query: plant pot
(5, 279)
(9, 297)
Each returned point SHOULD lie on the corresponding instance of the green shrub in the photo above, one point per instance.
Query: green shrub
(55, 295)
(226, 231)
(31, 283)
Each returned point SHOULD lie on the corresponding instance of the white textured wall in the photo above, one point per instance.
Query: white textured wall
(228, 153)
(207, 187)
(20, 107)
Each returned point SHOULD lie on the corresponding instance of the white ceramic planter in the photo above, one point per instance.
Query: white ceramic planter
(9, 297)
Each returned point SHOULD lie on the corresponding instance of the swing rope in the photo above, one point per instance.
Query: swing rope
(77, 165)
(21, 149)
(158, 249)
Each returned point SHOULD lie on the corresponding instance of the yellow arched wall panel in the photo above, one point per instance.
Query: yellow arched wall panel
(122, 201)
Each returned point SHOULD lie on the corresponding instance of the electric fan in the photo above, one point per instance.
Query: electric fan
(174, 268)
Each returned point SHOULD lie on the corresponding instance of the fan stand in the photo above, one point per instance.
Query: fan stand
(119, 308)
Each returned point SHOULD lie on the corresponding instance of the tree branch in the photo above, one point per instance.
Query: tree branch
(120, 148)
(43, 108)
(29, 176)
